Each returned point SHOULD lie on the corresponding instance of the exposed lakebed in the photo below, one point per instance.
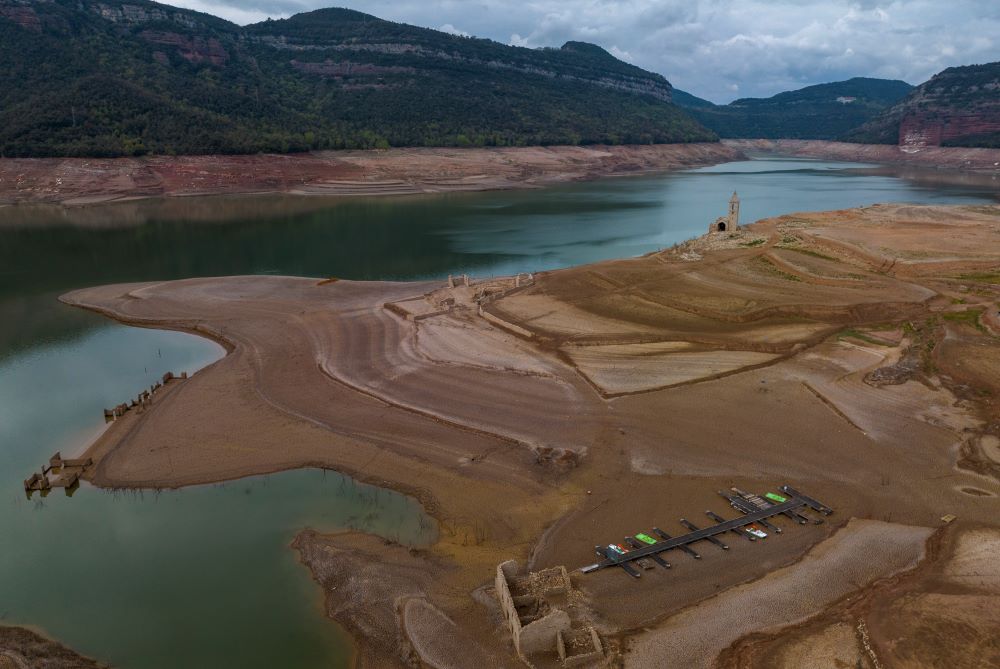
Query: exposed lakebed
(203, 576)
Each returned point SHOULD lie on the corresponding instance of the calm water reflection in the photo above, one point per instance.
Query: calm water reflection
(203, 577)
(196, 578)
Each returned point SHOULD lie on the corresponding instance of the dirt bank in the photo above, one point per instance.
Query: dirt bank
(22, 648)
(75, 181)
(857, 555)
(944, 157)
(942, 614)
(826, 350)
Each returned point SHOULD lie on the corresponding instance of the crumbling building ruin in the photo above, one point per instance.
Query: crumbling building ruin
(534, 606)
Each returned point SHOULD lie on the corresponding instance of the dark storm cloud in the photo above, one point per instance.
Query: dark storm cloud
(718, 49)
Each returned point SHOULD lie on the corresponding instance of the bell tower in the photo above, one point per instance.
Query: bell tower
(734, 212)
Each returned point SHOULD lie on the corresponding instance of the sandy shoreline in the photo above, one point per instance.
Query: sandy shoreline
(504, 436)
(985, 161)
(83, 181)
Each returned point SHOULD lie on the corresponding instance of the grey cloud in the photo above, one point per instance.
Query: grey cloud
(718, 49)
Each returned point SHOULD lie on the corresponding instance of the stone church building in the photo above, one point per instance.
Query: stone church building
(731, 222)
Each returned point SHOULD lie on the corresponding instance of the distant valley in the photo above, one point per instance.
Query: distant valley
(824, 111)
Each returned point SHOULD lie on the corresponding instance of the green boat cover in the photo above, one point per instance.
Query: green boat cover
(646, 538)
(776, 498)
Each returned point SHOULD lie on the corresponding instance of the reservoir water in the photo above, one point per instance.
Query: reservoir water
(203, 577)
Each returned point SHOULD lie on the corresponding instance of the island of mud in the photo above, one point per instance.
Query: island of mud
(854, 355)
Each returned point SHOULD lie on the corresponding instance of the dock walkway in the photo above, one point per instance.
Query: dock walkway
(752, 514)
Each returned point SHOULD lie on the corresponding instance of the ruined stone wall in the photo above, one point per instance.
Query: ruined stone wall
(541, 635)
(595, 656)
(507, 570)
(505, 325)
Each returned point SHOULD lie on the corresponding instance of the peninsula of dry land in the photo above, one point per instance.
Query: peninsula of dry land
(852, 354)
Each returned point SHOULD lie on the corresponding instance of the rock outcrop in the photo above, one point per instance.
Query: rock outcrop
(957, 107)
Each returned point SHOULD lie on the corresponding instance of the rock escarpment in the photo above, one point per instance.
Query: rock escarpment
(957, 107)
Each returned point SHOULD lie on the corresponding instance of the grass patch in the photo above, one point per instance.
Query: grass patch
(769, 267)
(981, 277)
(857, 334)
(756, 242)
(968, 317)
(984, 209)
(810, 252)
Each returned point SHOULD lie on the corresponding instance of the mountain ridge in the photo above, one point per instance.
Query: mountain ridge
(132, 77)
(820, 111)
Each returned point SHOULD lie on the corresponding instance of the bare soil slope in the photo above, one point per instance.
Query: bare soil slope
(394, 172)
(847, 353)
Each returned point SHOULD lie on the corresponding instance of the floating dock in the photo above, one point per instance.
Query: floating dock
(756, 511)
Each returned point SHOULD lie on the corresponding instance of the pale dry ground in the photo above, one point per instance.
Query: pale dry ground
(942, 614)
(950, 616)
(84, 181)
(850, 560)
(834, 647)
(613, 368)
(508, 443)
(22, 648)
(986, 161)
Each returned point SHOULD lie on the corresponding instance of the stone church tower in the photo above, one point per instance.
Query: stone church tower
(730, 223)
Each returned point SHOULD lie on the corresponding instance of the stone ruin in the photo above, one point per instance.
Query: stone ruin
(535, 607)
(143, 400)
(461, 293)
(731, 221)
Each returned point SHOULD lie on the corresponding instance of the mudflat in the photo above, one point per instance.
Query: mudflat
(937, 157)
(81, 181)
(846, 353)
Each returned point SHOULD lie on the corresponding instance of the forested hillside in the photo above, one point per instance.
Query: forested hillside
(85, 78)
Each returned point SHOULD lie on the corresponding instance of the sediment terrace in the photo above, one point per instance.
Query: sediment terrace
(935, 157)
(845, 352)
(77, 181)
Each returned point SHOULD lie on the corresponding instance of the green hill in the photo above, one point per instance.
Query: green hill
(685, 99)
(129, 77)
(959, 106)
(824, 111)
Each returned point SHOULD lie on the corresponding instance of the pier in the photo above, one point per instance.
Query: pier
(58, 473)
(755, 509)
(143, 400)
(66, 473)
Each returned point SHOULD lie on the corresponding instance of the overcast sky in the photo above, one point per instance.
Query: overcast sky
(716, 49)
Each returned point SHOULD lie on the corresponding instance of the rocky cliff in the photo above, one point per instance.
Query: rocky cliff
(957, 107)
